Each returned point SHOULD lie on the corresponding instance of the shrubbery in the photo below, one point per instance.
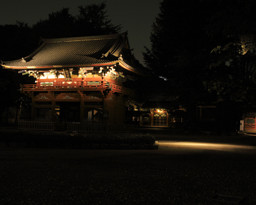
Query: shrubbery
(75, 140)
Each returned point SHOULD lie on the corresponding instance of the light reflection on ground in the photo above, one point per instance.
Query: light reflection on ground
(204, 146)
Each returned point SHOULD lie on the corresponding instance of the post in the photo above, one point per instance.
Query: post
(53, 106)
(32, 106)
(81, 106)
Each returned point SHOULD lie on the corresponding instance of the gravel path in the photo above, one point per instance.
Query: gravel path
(164, 176)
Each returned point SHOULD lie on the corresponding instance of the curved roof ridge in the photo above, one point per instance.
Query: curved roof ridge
(65, 52)
(82, 38)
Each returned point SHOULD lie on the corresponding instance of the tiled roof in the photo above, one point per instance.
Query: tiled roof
(75, 51)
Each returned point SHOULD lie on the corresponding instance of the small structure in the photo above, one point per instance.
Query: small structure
(248, 124)
(159, 117)
(152, 117)
(159, 111)
(79, 78)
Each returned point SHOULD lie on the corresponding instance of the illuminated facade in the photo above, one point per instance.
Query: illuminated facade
(161, 117)
(79, 78)
(151, 117)
(248, 124)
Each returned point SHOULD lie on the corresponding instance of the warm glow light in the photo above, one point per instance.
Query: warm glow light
(48, 75)
(244, 49)
(159, 110)
(51, 76)
(204, 146)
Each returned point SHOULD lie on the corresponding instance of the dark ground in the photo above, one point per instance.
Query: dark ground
(174, 175)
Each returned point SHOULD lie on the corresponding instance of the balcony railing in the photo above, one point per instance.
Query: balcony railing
(88, 84)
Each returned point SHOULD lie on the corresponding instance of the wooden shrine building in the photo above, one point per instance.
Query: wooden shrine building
(79, 78)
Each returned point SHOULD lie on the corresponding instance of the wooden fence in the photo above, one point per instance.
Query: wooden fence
(36, 125)
(86, 127)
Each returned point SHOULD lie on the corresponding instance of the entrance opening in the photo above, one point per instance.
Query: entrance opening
(159, 117)
(95, 115)
(68, 111)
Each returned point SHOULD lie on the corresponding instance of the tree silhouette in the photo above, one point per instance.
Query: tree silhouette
(207, 51)
(91, 20)
(179, 49)
(17, 41)
(58, 24)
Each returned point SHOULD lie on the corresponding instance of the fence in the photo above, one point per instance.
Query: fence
(36, 125)
(86, 127)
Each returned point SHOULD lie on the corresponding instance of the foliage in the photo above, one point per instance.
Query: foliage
(9, 90)
(58, 24)
(19, 36)
(200, 47)
(231, 69)
(91, 20)
(64, 140)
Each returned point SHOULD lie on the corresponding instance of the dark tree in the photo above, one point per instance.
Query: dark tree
(58, 24)
(199, 44)
(206, 50)
(232, 70)
(92, 20)
(179, 47)
(16, 41)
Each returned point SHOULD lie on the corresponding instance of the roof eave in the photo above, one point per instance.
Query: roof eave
(59, 66)
(128, 67)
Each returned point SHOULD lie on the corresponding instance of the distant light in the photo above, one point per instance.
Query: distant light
(164, 78)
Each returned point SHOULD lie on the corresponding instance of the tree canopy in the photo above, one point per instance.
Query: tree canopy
(205, 49)
(91, 20)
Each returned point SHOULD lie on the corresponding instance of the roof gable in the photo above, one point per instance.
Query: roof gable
(75, 51)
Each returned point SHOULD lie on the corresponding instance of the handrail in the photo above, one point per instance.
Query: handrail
(77, 83)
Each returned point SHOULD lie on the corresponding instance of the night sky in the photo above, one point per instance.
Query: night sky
(135, 16)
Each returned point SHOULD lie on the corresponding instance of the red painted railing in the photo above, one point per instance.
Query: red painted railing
(95, 83)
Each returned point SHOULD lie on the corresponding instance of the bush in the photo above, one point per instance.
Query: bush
(75, 140)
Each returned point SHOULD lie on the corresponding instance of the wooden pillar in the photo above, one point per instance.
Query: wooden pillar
(53, 106)
(33, 111)
(81, 106)
(115, 109)
(151, 117)
(167, 118)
